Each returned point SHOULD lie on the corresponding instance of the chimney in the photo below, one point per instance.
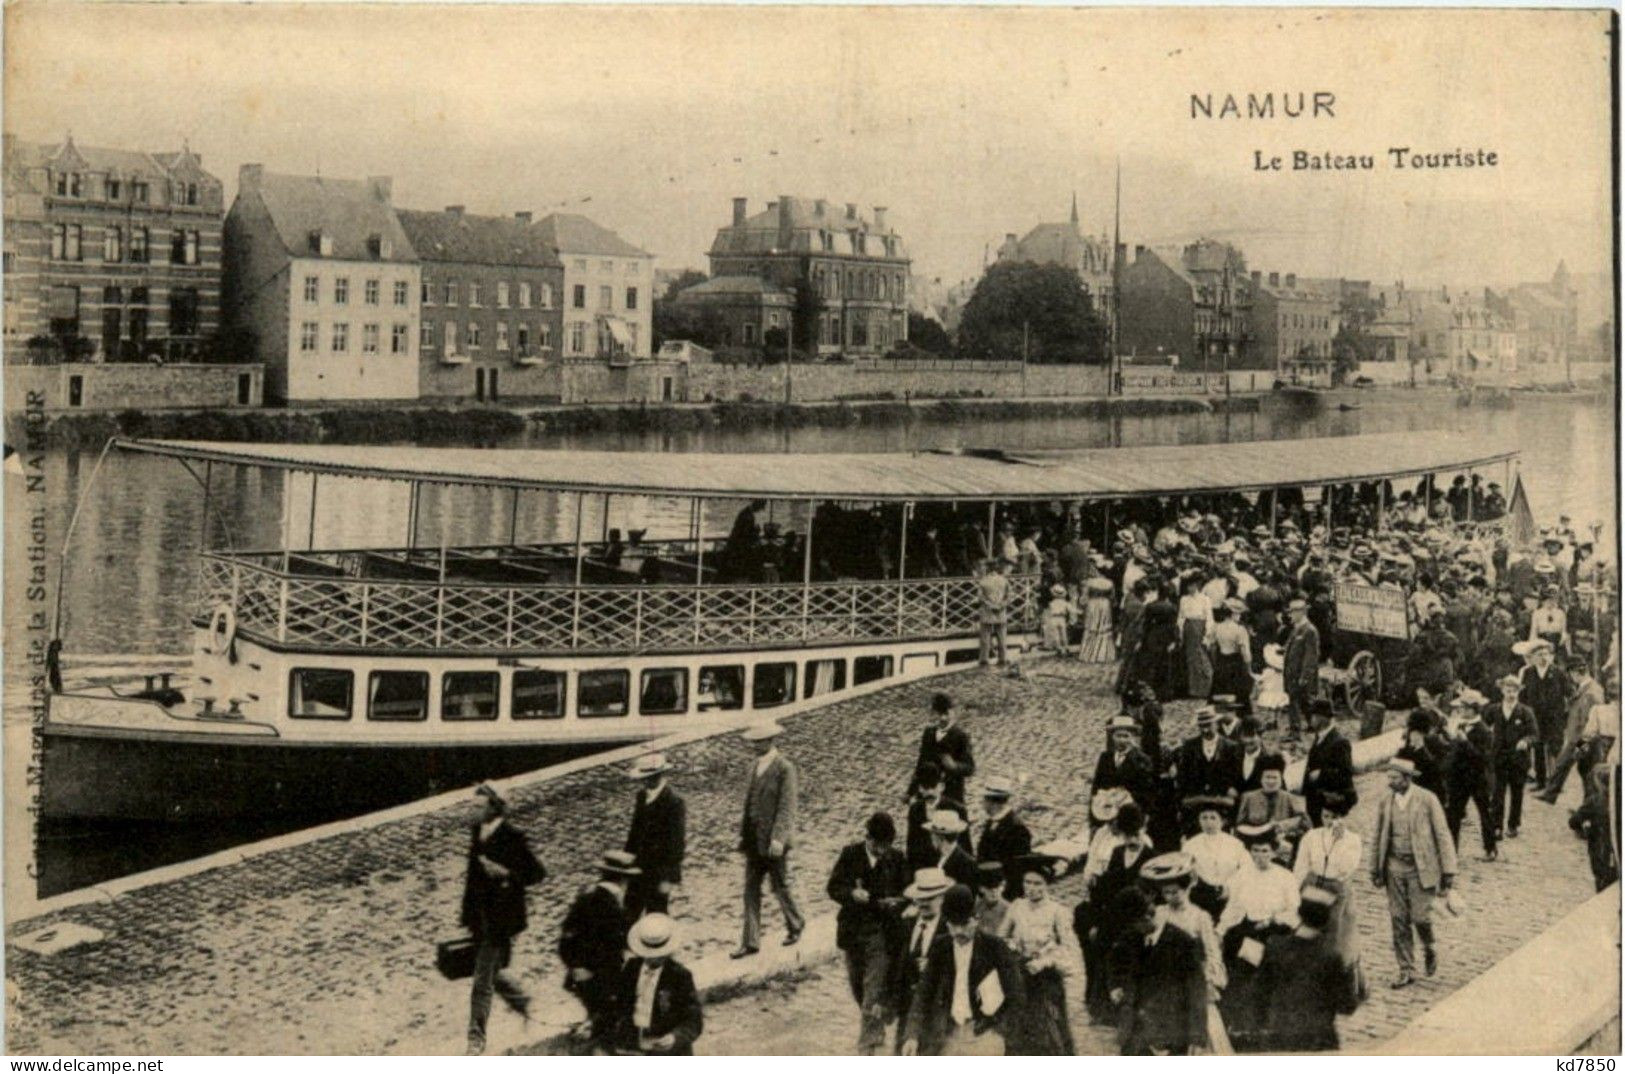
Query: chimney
(382, 187)
(249, 177)
(1010, 237)
(1139, 251)
(851, 211)
(1275, 279)
(1291, 280)
(739, 211)
(522, 217)
(880, 218)
(456, 210)
(784, 221)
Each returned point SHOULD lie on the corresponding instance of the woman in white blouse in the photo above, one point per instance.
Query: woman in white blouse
(1217, 856)
(1329, 857)
(1263, 902)
(1195, 626)
(1039, 931)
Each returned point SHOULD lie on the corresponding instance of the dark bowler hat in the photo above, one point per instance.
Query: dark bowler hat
(959, 905)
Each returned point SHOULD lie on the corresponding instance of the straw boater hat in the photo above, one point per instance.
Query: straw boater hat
(1168, 868)
(1121, 723)
(945, 822)
(928, 884)
(997, 788)
(650, 764)
(654, 936)
(1107, 802)
(1525, 648)
(1468, 699)
(1510, 680)
(1402, 764)
(1206, 716)
(758, 732)
(619, 863)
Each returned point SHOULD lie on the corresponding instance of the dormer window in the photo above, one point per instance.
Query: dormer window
(321, 243)
(379, 247)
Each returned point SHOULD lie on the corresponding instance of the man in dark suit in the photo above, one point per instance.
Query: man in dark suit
(657, 1007)
(1300, 670)
(1123, 764)
(947, 746)
(1330, 765)
(1003, 838)
(972, 994)
(500, 868)
(927, 799)
(766, 833)
(1469, 771)
(1209, 766)
(867, 884)
(1512, 726)
(1254, 757)
(1546, 690)
(920, 927)
(658, 838)
(592, 942)
(947, 830)
(1157, 982)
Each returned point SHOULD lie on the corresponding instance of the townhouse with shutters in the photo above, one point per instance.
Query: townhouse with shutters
(492, 318)
(607, 289)
(109, 254)
(323, 275)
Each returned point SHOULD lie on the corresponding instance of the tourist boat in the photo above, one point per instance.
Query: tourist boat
(325, 675)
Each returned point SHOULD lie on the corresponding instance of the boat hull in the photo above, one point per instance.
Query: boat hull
(136, 778)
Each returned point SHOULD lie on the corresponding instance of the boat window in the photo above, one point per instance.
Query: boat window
(664, 691)
(469, 695)
(602, 693)
(870, 668)
(398, 695)
(320, 694)
(962, 656)
(824, 677)
(538, 695)
(775, 684)
(722, 688)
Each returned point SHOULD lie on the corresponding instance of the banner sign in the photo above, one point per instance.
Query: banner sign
(1365, 609)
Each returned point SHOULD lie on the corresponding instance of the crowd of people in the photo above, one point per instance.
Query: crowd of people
(1217, 905)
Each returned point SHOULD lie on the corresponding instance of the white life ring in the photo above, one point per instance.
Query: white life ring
(222, 628)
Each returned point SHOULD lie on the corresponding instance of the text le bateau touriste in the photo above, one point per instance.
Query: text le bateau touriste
(1322, 104)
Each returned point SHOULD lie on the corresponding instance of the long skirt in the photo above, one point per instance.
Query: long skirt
(1098, 647)
(1198, 668)
(1232, 676)
(1242, 1003)
(1342, 934)
(1130, 660)
(1044, 1028)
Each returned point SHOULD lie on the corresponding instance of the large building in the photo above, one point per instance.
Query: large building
(1546, 316)
(1194, 303)
(320, 271)
(1294, 323)
(746, 307)
(112, 254)
(607, 290)
(845, 272)
(491, 313)
(1066, 245)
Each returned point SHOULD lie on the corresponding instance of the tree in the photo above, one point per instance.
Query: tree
(927, 334)
(693, 321)
(1350, 347)
(807, 315)
(684, 280)
(1048, 302)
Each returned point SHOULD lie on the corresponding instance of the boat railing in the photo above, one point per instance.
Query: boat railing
(279, 599)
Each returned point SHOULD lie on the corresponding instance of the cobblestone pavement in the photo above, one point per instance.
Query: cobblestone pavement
(328, 947)
(1541, 876)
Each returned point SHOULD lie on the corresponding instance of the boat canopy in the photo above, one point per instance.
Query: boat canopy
(1091, 473)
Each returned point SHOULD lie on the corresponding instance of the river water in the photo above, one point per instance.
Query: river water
(131, 572)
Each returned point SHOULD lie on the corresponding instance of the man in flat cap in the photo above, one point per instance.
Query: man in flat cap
(1414, 859)
(766, 833)
(500, 868)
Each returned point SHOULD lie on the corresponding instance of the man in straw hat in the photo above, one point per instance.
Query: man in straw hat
(500, 868)
(867, 884)
(1209, 766)
(1546, 690)
(947, 829)
(658, 838)
(592, 941)
(1003, 838)
(922, 921)
(1414, 859)
(1124, 764)
(971, 996)
(1512, 726)
(1469, 771)
(657, 1007)
(766, 833)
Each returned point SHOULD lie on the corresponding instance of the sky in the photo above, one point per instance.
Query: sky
(966, 123)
